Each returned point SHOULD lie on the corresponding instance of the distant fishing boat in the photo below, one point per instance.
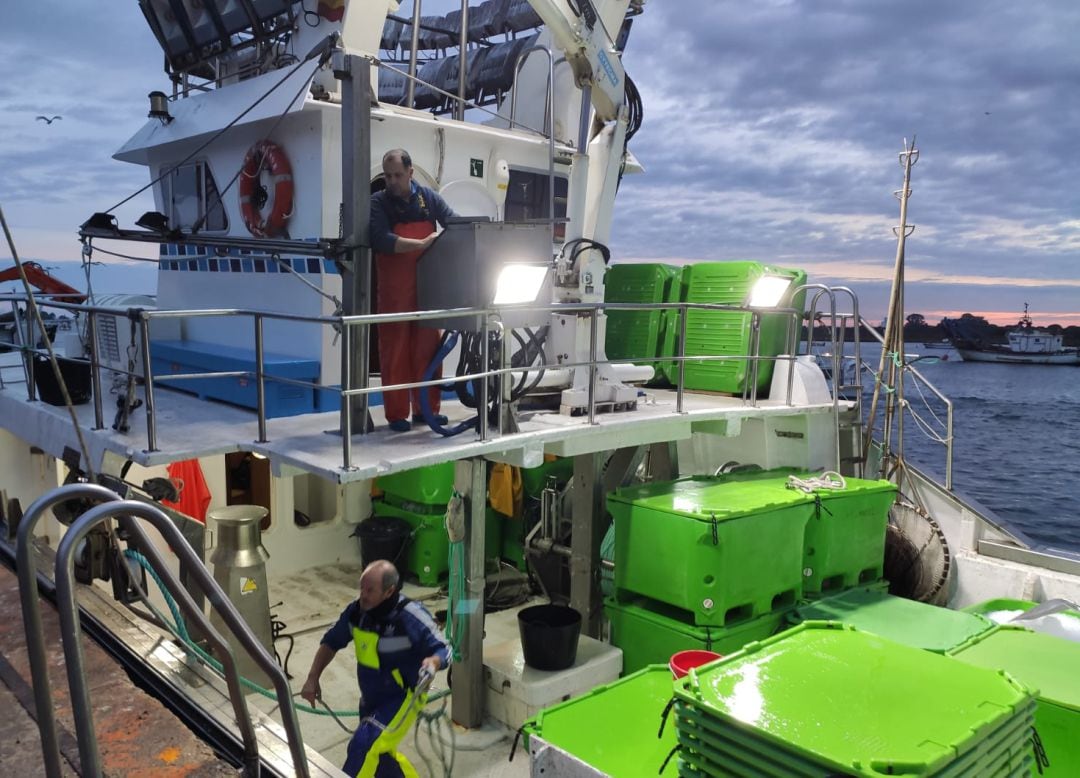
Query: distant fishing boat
(1027, 345)
(943, 344)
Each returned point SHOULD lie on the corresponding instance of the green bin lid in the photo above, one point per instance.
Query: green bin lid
(735, 495)
(1043, 662)
(613, 727)
(856, 702)
(905, 621)
(706, 499)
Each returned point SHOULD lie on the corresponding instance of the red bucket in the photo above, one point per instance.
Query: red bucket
(684, 661)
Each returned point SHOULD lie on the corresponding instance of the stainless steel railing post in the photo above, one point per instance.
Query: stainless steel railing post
(95, 368)
(260, 378)
(148, 385)
(594, 325)
(681, 353)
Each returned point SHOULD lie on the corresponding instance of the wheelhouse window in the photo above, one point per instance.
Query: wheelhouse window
(193, 199)
(527, 199)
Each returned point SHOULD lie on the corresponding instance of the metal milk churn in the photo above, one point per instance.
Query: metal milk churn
(239, 564)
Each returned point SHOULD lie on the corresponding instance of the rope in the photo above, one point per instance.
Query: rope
(180, 631)
(288, 266)
(32, 305)
(830, 479)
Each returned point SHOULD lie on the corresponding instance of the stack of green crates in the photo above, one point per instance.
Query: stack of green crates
(912, 623)
(649, 632)
(728, 333)
(419, 497)
(731, 548)
(613, 728)
(1049, 664)
(826, 699)
(643, 334)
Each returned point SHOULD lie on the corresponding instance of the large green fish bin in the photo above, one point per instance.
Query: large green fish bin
(1049, 664)
(419, 497)
(639, 335)
(730, 334)
(727, 549)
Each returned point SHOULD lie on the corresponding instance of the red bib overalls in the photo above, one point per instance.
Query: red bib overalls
(405, 348)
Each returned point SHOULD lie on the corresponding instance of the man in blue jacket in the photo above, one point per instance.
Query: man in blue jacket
(397, 643)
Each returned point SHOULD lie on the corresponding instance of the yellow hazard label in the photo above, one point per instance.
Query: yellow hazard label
(247, 586)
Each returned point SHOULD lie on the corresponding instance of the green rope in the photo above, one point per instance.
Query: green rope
(181, 632)
(455, 622)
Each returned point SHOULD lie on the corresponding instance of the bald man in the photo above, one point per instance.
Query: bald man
(396, 640)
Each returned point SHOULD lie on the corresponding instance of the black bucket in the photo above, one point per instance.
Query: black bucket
(549, 636)
(76, 374)
(382, 537)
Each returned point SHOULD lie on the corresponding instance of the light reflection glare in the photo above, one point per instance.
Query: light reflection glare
(746, 702)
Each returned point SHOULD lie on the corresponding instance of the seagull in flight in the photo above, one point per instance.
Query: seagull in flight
(47, 120)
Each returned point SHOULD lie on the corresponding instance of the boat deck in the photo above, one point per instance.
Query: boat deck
(189, 427)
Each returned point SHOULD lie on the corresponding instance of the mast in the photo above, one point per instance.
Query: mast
(890, 376)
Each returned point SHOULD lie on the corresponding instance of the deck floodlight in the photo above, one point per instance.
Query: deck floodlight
(768, 291)
(519, 284)
(100, 222)
(153, 221)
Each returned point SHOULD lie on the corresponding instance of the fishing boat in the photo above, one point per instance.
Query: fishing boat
(642, 447)
(1027, 345)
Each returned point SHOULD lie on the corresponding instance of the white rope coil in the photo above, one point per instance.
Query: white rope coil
(830, 479)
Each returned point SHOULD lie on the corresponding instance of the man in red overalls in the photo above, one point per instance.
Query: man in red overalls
(403, 218)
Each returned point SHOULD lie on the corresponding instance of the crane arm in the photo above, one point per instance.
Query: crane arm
(589, 51)
(40, 278)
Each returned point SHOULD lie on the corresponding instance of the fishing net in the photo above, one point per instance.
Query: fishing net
(917, 558)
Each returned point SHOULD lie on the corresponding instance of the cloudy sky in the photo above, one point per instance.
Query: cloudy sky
(771, 132)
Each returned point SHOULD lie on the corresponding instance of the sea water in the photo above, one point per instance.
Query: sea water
(1016, 438)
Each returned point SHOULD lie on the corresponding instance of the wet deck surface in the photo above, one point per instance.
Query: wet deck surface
(137, 735)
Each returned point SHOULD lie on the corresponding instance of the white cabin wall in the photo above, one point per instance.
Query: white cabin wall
(806, 443)
(25, 476)
(299, 136)
(327, 540)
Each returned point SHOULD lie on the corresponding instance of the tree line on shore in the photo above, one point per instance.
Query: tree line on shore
(918, 330)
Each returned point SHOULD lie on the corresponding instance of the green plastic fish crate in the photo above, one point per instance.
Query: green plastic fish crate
(613, 728)
(827, 698)
(637, 335)
(896, 618)
(1049, 664)
(649, 632)
(431, 486)
(724, 549)
(844, 544)
(427, 556)
(728, 333)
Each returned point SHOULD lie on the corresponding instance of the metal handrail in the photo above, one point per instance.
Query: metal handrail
(488, 316)
(549, 115)
(127, 511)
(35, 639)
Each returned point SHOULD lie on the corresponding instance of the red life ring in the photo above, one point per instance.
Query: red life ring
(266, 209)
